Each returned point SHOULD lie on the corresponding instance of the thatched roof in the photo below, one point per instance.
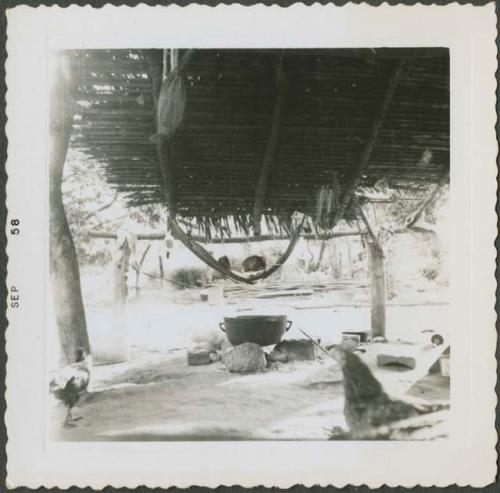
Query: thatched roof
(333, 97)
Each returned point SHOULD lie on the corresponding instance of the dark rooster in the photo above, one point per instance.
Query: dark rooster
(372, 414)
(71, 383)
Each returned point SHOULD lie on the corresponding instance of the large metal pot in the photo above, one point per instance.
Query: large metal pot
(261, 329)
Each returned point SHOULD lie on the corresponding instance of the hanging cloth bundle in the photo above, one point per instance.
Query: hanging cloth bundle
(171, 100)
(171, 105)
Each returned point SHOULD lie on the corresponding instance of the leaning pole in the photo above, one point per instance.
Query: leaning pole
(64, 271)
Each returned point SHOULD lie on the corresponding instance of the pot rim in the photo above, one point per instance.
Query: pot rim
(261, 317)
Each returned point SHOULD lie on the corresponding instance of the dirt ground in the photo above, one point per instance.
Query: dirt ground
(168, 400)
(155, 395)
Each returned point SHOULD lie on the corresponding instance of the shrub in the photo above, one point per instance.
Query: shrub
(189, 277)
(430, 273)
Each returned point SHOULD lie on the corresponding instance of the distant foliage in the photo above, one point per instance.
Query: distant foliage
(90, 203)
(424, 256)
(430, 273)
(436, 270)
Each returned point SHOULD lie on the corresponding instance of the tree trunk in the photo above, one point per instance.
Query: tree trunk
(377, 285)
(64, 271)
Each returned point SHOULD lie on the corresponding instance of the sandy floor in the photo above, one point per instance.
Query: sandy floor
(155, 395)
(168, 400)
(164, 399)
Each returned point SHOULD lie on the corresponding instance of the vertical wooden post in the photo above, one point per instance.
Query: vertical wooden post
(64, 271)
(389, 272)
(137, 287)
(161, 271)
(322, 249)
(210, 272)
(349, 259)
(138, 271)
(114, 346)
(377, 278)
(377, 286)
(120, 269)
(334, 257)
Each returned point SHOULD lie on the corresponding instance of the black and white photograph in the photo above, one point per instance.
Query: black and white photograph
(256, 245)
(251, 246)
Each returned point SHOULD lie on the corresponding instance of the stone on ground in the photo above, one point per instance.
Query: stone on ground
(245, 358)
(294, 350)
(215, 356)
(198, 357)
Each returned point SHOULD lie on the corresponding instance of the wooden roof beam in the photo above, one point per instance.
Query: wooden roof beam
(271, 148)
(109, 235)
(370, 142)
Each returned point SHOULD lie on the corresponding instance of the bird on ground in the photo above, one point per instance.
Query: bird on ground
(370, 413)
(71, 383)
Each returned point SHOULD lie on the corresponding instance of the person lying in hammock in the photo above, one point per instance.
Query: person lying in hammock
(254, 263)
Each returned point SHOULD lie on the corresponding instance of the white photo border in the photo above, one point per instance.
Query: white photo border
(468, 457)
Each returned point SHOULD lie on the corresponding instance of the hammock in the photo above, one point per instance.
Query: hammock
(169, 117)
(208, 258)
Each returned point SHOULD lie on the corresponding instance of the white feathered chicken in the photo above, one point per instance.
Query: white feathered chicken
(71, 383)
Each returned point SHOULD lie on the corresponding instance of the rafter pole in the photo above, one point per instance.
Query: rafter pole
(371, 141)
(410, 221)
(163, 146)
(155, 60)
(271, 149)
